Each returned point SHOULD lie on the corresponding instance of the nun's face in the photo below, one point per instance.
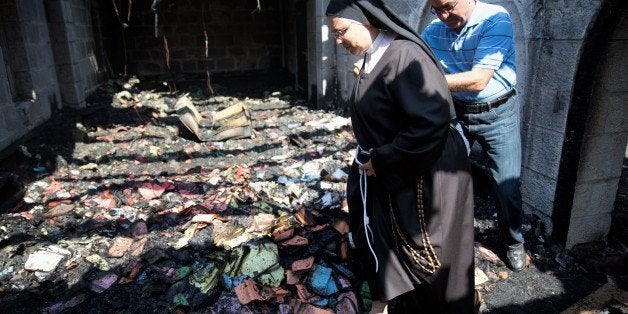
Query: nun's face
(354, 37)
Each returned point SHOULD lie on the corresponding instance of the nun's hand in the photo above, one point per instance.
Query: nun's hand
(357, 67)
(368, 168)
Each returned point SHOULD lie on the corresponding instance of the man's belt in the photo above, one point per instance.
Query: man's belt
(479, 107)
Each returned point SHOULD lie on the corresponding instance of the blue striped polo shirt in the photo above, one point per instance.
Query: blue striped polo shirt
(486, 41)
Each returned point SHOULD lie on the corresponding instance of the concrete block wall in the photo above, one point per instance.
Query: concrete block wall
(604, 145)
(6, 93)
(15, 51)
(49, 62)
(29, 66)
(330, 69)
(6, 136)
(37, 44)
(238, 38)
(5, 88)
(555, 37)
(73, 47)
(335, 70)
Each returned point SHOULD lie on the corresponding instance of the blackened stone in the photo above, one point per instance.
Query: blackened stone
(202, 240)
(182, 256)
(202, 300)
(171, 219)
(181, 286)
(11, 192)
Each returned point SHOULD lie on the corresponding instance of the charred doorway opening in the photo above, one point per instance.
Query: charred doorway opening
(256, 43)
(16, 63)
(301, 47)
(108, 35)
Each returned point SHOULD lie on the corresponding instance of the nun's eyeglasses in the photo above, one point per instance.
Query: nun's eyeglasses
(445, 8)
(341, 32)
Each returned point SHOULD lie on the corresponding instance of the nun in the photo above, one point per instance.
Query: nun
(409, 190)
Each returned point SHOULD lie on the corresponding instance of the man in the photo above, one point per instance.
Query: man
(474, 43)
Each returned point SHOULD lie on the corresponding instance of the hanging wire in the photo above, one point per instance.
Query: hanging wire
(173, 86)
(209, 82)
(156, 7)
(115, 8)
(258, 8)
(167, 52)
(124, 26)
(128, 16)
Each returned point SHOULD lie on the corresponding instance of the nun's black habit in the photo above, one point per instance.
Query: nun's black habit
(420, 204)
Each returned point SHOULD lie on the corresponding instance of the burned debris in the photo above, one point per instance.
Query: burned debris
(155, 214)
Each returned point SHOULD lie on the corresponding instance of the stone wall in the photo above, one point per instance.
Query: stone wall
(48, 62)
(5, 89)
(554, 43)
(239, 37)
(6, 136)
(603, 149)
(73, 46)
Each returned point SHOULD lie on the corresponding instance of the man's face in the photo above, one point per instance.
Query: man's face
(454, 13)
(352, 36)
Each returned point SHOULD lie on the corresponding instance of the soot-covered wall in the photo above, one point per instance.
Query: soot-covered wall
(239, 36)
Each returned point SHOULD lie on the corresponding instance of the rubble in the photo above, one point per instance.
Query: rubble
(46, 259)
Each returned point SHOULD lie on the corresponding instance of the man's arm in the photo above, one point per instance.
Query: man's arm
(470, 81)
(496, 43)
